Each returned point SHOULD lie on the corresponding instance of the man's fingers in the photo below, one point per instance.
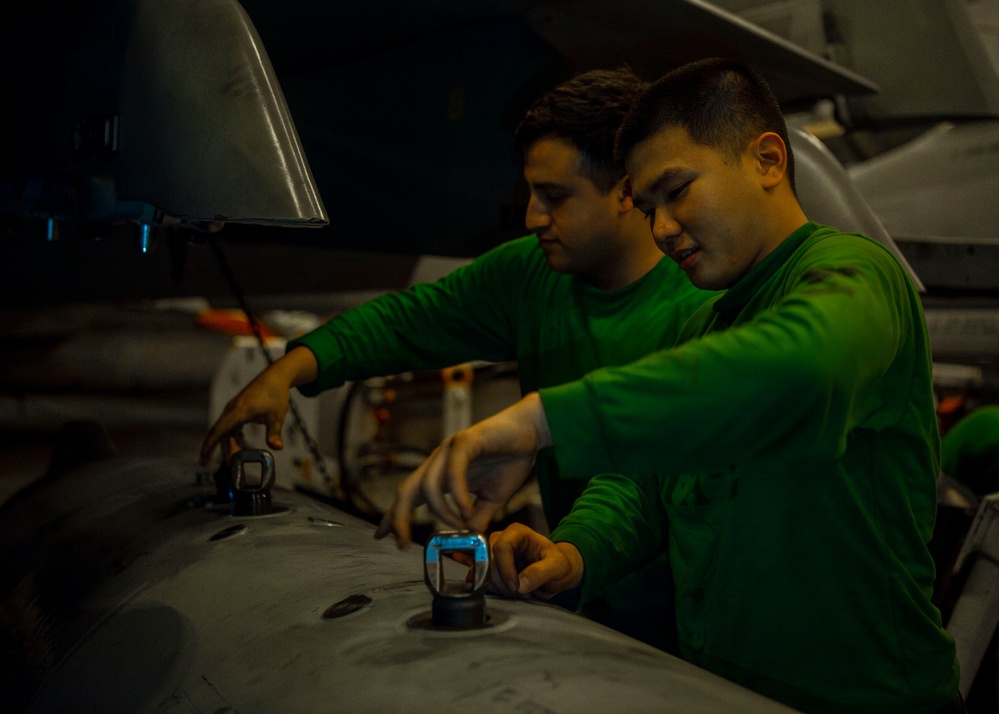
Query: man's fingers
(454, 470)
(206, 452)
(482, 515)
(503, 564)
(433, 489)
(398, 518)
(229, 422)
(424, 485)
(537, 575)
(408, 495)
(526, 563)
(231, 443)
(274, 439)
(385, 527)
(218, 429)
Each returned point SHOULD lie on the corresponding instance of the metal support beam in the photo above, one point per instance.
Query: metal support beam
(976, 613)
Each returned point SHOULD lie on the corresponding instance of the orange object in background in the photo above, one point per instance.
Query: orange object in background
(230, 322)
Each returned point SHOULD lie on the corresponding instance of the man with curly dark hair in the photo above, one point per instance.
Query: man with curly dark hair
(587, 289)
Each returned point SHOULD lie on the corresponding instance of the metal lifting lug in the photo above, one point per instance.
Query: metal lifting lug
(252, 499)
(445, 543)
(457, 604)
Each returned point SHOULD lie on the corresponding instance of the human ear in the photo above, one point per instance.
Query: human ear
(622, 191)
(770, 154)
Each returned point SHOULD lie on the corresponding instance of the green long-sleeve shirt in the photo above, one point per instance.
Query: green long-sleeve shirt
(508, 304)
(790, 442)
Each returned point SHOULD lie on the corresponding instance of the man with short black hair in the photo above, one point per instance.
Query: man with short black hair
(788, 440)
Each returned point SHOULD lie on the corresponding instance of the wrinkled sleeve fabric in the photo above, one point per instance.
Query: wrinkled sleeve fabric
(799, 371)
(618, 527)
(465, 315)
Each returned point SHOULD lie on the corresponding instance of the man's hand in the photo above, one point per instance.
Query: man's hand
(490, 459)
(525, 562)
(263, 401)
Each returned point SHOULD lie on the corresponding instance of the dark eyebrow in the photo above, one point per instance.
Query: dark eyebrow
(664, 178)
(548, 186)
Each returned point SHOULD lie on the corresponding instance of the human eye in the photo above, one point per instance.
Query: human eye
(649, 213)
(555, 198)
(551, 195)
(676, 192)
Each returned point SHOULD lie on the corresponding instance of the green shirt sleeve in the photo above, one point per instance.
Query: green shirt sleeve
(617, 526)
(797, 372)
(465, 315)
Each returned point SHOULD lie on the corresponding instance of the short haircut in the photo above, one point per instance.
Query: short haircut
(721, 103)
(585, 111)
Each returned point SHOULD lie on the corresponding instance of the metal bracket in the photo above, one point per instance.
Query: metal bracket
(983, 535)
(976, 612)
(252, 499)
(446, 542)
(252, 456)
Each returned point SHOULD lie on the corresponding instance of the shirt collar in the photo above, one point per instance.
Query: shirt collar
(737, 296)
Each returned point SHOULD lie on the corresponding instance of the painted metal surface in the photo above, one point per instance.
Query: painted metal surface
(158, 114)
(131, 592)
(828, 196)
(945, 218)
(976, 612)
(955, 202)
(654, 36)
(205, 129)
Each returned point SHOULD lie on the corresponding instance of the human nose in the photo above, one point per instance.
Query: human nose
(537, 216)
(664, 226)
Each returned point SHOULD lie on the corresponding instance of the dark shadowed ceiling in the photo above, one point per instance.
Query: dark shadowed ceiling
(405, 111)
